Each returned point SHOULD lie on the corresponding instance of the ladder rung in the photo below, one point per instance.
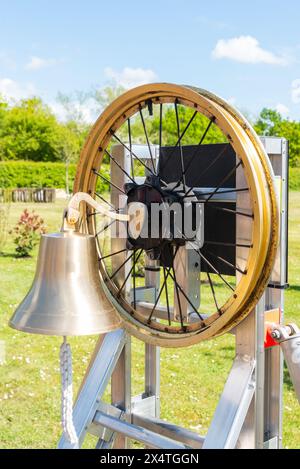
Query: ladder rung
(136, 433)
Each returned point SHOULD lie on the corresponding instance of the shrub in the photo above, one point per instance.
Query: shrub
(27, 232)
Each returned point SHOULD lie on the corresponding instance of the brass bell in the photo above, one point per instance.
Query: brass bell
(66, 297)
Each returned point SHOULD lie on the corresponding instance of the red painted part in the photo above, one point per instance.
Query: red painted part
(271, 317)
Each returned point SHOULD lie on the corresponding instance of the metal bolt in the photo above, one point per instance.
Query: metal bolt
(275, 334)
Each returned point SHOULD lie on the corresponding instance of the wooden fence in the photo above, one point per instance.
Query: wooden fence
(27, 195)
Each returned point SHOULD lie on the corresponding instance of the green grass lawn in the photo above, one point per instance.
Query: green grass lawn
(191, 378)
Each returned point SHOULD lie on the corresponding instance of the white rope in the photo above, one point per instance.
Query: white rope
(67, 393)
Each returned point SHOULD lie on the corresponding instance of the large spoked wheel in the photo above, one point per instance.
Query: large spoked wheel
(126, 266)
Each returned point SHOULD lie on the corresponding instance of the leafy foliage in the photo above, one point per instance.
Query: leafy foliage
(27, 232)
(271, 123)
(30, 131)
(15, 174)
(294, 179)
(195, 131)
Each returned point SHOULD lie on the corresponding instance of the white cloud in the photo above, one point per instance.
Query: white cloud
(36, 63)
(295, 91)
(85, 112)
(11, 89)
(246, 49)
(282, 109)
(130, 77)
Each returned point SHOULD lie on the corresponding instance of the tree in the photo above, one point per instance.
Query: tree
(75, 107)
(271, 123)
(29, 131)
(70, 145)
(291, 131)
(195, 131)
(268, 122)
(104, 96)
(3, 109)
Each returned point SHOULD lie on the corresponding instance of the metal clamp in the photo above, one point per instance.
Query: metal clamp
(288, 338)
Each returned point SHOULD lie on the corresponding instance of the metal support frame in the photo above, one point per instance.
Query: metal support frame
(249, 411)
(233, 406)
(95, 384)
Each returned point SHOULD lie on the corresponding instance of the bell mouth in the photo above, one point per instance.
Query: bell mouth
(72, 331)
(67, 234)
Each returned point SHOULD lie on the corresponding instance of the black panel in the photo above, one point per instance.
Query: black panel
(219, 226)
(170, 166)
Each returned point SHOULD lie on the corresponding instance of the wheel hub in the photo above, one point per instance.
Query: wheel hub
(165, 212)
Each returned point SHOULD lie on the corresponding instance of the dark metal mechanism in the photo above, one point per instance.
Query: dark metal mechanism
(153, 193)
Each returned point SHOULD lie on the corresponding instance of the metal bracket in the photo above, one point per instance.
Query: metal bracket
(288, 338)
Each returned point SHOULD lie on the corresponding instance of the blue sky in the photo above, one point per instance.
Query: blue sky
(247, 52)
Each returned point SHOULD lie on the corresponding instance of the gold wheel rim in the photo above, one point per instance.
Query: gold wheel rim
(260, 181)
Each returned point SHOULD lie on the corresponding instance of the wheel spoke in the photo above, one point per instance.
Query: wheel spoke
(167, 297)
(108, 203)
(111, 254)
(160, 126)
(134, 154)
(105, 227)
(199, 144)
(231, 172)
(119, 166)
(162, 287)
(214, 269)
(178, 141)
(243, 272)
(93, 214)
(109, 182)
(243, 189)
(213, 291)
(129, 273)
(147, 139)
(180, 147)
(221, 243)
(130, 147)
(159, 294)
(187, 298)
(208, 168)
(229, 210)
(134, 282)
(178, 299)
(120, 267)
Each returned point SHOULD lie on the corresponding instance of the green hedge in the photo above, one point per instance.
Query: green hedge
(15, 174)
